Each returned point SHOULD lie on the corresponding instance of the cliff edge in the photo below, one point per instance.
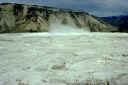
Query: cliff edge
(32, 18)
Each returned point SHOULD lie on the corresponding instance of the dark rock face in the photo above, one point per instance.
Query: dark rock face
(27, 18)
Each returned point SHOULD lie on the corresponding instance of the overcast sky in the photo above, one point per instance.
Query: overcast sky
(95, 7)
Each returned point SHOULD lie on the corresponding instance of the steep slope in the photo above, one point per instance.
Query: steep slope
(27, 18)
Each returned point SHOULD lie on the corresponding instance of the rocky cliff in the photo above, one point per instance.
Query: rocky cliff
(27, 18)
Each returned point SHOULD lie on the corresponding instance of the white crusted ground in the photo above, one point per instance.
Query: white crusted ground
(64, 59)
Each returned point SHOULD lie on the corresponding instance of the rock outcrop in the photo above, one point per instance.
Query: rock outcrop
(28, 18)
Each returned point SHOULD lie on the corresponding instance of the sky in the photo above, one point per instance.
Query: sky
(99, 8)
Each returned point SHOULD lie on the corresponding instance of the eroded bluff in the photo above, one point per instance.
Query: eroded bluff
(27, 18)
